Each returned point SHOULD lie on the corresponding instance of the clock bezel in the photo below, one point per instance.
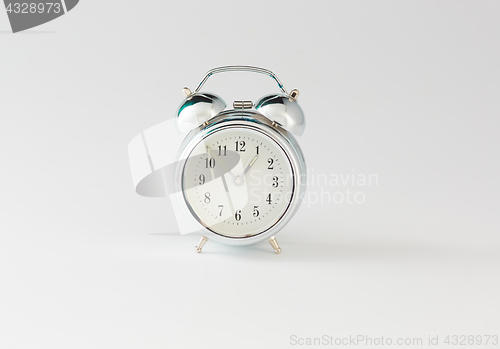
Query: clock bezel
(248, 119)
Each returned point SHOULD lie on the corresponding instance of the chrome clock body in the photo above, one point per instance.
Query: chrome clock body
(236, 176)
(241, 120)
(207, 182)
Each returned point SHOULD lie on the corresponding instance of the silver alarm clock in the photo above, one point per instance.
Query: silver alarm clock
(238, 176)
(240, 171)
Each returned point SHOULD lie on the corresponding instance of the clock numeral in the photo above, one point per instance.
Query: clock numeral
(237, 215)
(240, 145)
(270, 161)
(221, 209)
(210, 163)
(275, 181)
(255, 211)
(269, 199)
(202, 179)
(207, 198)
(222, 150)
(257, 147)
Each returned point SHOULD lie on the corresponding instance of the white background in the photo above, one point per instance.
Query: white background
(405, 90)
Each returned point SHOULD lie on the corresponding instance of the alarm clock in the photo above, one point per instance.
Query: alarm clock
(239, 174)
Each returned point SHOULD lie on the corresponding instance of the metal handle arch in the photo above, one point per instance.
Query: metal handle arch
(245, 68)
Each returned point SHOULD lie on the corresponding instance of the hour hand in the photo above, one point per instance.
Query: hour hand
(249, 166)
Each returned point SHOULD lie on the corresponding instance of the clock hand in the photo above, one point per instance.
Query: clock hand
(249, 166)
(227, 193)
(239, 179)
(227, 169)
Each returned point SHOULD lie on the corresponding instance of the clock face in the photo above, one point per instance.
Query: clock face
(238, 182)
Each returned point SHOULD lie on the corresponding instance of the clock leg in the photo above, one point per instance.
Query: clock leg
(274, 243)
(202, 242)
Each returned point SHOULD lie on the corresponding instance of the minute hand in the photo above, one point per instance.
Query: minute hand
(227, 169)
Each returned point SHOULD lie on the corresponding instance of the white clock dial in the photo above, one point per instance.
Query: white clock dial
(238, 182)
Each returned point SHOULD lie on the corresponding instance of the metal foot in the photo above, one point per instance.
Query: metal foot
(274, 244)
(200, 245)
